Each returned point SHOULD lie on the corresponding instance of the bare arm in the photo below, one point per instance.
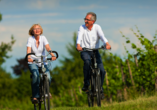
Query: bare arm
(47, 46)
(29, 57)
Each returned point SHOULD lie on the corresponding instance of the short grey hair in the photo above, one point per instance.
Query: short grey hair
(93, 15)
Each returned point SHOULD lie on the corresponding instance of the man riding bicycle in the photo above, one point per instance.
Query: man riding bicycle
(88, 37)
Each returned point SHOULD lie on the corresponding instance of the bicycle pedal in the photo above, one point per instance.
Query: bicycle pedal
(35, 101)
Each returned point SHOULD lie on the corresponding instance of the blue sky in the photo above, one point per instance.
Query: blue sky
(61, 18)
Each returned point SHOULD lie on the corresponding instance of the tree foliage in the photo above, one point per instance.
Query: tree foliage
(4, 49)
(0, 16)
(144, 74)
(70, 76)
(21, 66)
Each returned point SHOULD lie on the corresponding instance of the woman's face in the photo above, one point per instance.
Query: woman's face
(36, 30)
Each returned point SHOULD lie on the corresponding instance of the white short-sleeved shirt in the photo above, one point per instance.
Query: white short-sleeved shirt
(38, 51)
(90, 38)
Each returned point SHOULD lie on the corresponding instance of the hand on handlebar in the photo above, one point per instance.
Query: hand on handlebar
(53, 58)
(79, 48)
(108, 46)
(30, 60)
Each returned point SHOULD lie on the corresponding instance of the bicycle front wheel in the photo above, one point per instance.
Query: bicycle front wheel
(36, 106)
(98, 87)
(46, 94)
(90, 99)
(91, 93)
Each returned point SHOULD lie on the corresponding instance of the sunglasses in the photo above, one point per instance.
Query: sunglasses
(87, 19)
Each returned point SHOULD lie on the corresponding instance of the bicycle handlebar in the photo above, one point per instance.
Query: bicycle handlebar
(54, 52)
(88, 49)
(26, 58)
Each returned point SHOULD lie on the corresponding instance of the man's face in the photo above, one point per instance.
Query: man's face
(88, 21)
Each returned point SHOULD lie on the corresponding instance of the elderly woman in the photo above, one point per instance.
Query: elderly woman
(37, 44)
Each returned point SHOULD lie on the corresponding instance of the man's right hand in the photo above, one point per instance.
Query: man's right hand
(108, 46)
(79, 48)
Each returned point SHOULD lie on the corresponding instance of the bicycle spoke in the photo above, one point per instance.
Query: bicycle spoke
(98, 87)
(46, 94)
(90, 95)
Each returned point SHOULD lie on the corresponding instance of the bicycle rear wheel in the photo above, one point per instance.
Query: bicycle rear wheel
(46, 94)
(98, 87)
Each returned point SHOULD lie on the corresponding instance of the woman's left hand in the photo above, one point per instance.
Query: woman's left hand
(53, 58)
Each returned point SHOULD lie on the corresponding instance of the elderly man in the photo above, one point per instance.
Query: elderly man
(88, 37)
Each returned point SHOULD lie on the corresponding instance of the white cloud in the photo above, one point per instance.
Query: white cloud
(19, 32)
(148, 35)
(2, 29)
(29, 4)
(41, 4)
(55, 36)
(92, 6)
(30, 15)
(62, 21)
(114, 45)
(126, 31)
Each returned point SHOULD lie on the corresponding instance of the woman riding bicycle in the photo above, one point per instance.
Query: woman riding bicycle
(37, 44)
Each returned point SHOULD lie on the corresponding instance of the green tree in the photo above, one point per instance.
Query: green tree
(0, 16)
(144, 74)
(21, 66)
(4, 49)
(6, 81)
(68, 79)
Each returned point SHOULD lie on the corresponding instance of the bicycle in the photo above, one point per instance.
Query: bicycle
(44, 83)
(95, 80)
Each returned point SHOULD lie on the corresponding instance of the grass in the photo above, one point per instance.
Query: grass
(141, 103)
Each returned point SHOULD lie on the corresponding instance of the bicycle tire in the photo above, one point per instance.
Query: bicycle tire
(92, 89)
(39, 105)
(41, 88)
(46, 94)
(90, 93)
(35, 107)
(98, 87)
(90, 100)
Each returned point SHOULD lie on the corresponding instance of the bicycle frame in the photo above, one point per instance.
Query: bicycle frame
(95, 79)
(95, 87)
(44, 84)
